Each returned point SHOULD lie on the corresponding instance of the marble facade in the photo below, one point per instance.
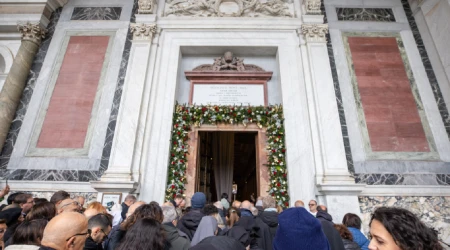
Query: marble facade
(302, 42)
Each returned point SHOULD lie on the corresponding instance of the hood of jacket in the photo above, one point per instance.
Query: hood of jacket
(192, 219)
(171, 231)
(270, 218)
(324, 215)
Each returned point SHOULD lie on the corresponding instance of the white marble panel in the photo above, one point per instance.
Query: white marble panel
(156, 145)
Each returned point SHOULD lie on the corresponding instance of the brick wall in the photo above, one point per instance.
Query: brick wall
(390, 110)
(69, 112)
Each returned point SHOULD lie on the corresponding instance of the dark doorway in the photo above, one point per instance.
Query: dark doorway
(244, 166)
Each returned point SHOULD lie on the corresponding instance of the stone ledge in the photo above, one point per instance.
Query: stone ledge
(406, 190)
(340, 189)
(114, 186)
(51, 186)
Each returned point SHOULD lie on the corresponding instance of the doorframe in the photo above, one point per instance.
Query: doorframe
(262, 176)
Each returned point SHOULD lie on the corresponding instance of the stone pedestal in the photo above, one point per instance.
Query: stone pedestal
(32, 35)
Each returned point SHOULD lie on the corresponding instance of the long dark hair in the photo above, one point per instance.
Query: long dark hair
(352, 220)
(408, 232)
(144, 234)
(45, 210)
(152, 210)
(29, 233)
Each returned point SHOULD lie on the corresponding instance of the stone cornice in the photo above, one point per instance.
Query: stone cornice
(315, 32)
(31, 32)
(143, 31)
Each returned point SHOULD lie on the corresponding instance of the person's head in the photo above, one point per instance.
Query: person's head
(312, 206)
(81, 200)
(25, 201)
(100, 226)
(38, 201)
(344, 232)
(254, 211)
(67, 205)
(198, 200)
(3, 228)
(269, 202)
(399, 229)
(224, 196)
(90, 212)
(182, 204)
(170, 215)
(68, 230)
(299, 203)
(146, 233)
(322, 208)
(130, 200)
(297, 227)
(233, 216)
(133, 207)
(218, 204)
(210, 210)
(246, 205)
(352, 220)
(12, 197)
(236, 203)
(178, 199)
(45, 210)
(152, 210)
(29, 232)
(59, 196)
(97, 206)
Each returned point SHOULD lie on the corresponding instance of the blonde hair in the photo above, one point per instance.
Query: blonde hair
(97, 206)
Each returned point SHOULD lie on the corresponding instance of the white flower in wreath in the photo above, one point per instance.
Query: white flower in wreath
(238, 113)
(280, 155)
(258, 117)
(281, 163)
(178, 149)
(278, 197)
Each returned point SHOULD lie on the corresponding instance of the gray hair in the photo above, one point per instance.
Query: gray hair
(130, 197)
(269, 202)
(254, 211)
(170, 214)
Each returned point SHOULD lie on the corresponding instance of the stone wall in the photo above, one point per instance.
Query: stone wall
(434, 211)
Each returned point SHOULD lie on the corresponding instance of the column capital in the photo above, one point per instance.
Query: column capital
(143, 31)
(32, 32)
(146, 6)
(312, 7)
(315, 32)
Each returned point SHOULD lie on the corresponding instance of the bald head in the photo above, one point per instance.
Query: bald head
(322, 208)
(236, 204)
(63, 227)
(299, 203)
(134, 207)
(246, 205)
(67, 205)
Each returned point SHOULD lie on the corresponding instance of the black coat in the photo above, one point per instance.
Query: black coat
(271, 219)
(333, 236)
(92, 245)
(265, 239)
(249, 224)
(114, 238)
(218, 243)
(189, 222)
(350, 245)
(124, 210)
(174, 240)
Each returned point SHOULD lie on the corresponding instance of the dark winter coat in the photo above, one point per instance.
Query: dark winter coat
(271, 219)
(218, 243)
(189, 222)
(350, 245)
(333, 236)
(175, 241)
(265, 238)
(124, 210)
(92, 245)
(114, 238)
(249, 224)
(46, 248)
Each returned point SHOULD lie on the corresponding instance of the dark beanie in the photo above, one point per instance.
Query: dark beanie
(299, 230)
(198, 200)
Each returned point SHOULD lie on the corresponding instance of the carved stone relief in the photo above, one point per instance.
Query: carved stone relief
(229, 8)
(312, 7)
(315, 32)
(228, 62)
(143, 31)
(31, 32)
(146, 6)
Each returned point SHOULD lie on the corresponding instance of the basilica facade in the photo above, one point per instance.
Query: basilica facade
(342, 101)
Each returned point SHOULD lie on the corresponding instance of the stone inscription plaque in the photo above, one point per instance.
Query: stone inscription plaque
(228, 94)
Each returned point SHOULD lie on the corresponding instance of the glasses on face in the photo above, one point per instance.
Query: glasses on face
(2, 230)
(311, 205)
(106, 235)
(81, 234)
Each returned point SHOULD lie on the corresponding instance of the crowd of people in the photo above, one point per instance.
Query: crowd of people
(65, 223)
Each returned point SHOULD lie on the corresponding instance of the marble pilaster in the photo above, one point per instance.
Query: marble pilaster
(32, 35)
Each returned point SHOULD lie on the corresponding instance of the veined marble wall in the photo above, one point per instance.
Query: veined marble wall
(434, 211)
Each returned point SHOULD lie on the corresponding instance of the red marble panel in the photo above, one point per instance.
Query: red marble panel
(69, 112)
(392, 118)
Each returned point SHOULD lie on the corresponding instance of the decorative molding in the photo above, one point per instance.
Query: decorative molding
(406, 190)
(312, 7)
(229, 8)
(146, 6)
(315, 32)
(96, 13)
(32, 32)
(365, 14)
(228, 62)
(143, 31)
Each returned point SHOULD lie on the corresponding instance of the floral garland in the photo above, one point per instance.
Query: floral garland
(270, 117)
